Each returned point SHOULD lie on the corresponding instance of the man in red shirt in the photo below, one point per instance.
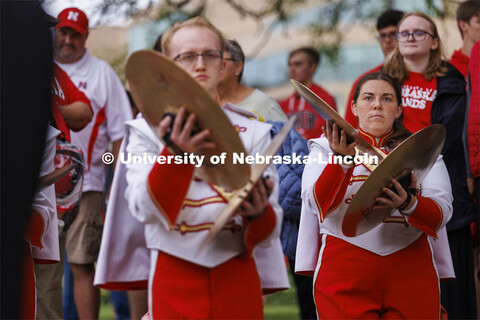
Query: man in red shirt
(387, 27)
(468, 21)
(302, 64)
(71, 108)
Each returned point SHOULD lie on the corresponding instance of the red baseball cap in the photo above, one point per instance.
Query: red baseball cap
(73, 18)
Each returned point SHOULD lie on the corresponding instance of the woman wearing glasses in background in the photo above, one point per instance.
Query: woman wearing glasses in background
(433, 91)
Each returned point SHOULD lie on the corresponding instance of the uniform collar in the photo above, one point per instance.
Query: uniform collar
(377, 142)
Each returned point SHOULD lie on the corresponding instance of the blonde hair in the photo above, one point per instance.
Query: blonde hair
(396, 65)
(193, 22)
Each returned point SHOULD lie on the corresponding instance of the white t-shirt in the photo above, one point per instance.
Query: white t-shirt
(111, 110)
(264, 106)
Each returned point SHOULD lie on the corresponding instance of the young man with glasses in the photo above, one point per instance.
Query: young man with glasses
(387, 27)
(221, 281)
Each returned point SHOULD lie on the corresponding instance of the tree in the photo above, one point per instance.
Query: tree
(327, 33)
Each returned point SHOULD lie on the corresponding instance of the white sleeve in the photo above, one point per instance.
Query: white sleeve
(309, 229)
(118, 109)
(139, 201)
(437, 187)
(44, 201)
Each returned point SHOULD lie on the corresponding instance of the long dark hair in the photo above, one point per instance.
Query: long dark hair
(400, 133)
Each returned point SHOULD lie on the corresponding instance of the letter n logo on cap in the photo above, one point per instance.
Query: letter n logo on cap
(72, 15)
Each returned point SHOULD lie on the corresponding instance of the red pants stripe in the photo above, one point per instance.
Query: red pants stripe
(353, 283)
(28, 300)
(183, 290)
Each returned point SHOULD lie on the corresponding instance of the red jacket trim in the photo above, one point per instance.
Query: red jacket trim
(332, 176)
(35, 229)
(372, 139)
(259, 229)
(99, 120)
(167, 185)
(341, 192)
(427, 216)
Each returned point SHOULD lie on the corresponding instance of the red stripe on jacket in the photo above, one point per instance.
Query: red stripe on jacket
(259, 229)
(99, 120)
(427, 216)
(328, 185)
(168, 185)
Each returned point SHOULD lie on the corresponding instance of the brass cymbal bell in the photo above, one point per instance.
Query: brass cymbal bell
(416, 154)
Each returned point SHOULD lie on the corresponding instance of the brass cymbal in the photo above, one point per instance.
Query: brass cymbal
(330, 115)
(242, 193)
(159, 86)
(418, 153)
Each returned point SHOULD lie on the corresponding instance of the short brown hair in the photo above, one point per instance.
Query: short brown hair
(466, 10)
(312, 54)
(193, 22)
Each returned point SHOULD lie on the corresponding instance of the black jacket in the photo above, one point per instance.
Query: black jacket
(448, 109)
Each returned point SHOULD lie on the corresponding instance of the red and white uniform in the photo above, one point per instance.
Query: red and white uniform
(41, 230)
(111, 110)
(178, 212)
(379, 261)
(124, 259)
(417, 98)
(309, 123)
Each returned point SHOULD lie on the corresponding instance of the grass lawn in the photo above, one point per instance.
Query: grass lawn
(280, 305)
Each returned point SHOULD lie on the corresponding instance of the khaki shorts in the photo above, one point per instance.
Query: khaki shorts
(48, 281)
(85, 234)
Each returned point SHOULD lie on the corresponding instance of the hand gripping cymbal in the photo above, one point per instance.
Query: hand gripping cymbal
(418, 153)
(159, 86)
(241, 194)
(331, 116)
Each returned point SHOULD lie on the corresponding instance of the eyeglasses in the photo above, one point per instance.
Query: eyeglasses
(418, 35)
(230, 59)
(385, 36)
(189, 58)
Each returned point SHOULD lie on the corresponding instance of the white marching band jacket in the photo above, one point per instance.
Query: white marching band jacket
(323, 212)
(181, 233)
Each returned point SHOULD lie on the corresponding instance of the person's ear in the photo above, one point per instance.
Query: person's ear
(463, 25)
(399, 111)
(434, 44)
(238, 67)
(222, 67)
(313, 68)
(353, 106)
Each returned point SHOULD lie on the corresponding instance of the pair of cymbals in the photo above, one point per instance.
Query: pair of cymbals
(159, 86)
(416, 154)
